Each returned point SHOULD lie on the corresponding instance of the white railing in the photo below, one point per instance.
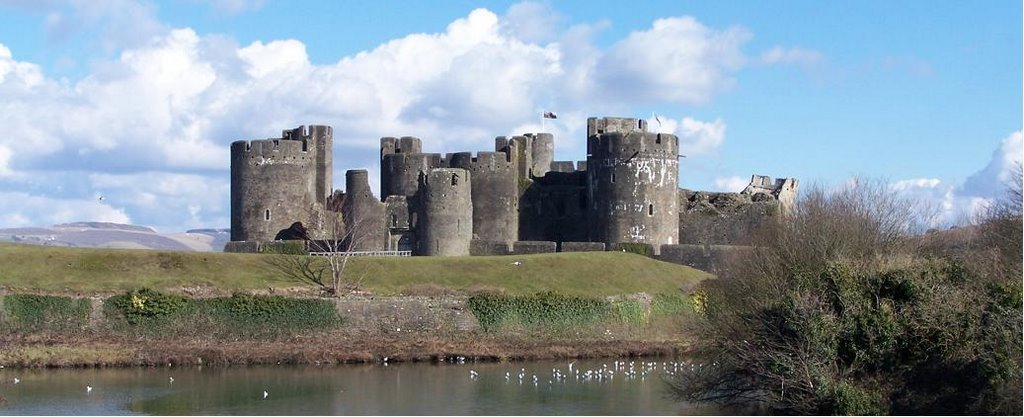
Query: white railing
(365, 253)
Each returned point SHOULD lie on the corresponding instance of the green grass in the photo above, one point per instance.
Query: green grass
(27, 268)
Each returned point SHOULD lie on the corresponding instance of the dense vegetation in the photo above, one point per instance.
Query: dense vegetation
(168, 315)
(845, 309)
(44, 313)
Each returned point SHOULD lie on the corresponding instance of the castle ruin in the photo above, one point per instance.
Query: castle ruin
(516, 199)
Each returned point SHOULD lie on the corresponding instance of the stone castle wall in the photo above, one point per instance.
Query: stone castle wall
(514, 200)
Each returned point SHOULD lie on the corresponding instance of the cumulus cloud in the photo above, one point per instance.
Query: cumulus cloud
(952, 204)
(695, 137)
(677, 60)
(22, 209)
(164, 109)
(732, 184)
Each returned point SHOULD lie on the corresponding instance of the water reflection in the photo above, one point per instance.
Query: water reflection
(592, 387)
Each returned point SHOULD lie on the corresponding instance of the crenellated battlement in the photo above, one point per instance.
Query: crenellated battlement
(436, 204)
(400, 172)
(597, 126)
(496, 162)
(264, 151)
(405, 144)
(631, 145)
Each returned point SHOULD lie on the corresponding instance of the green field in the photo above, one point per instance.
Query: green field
(27, 268)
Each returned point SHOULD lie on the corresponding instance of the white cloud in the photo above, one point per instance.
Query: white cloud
(678, 60)
(993, 180)
(163, 111)
(695, 137)
(806, 58)
(22, 209)
(732, 184)
(953, 204)
(531, 21)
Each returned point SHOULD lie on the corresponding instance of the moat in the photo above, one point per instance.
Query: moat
(592, 387)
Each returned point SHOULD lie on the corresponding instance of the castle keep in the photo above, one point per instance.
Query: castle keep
(514, 199)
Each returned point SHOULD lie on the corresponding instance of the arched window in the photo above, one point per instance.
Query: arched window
(266, 215)
(650, 209)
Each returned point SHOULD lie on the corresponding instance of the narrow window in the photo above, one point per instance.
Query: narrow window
(266, 215)
(640, 124)
(455, 180)
(658, 139)
(394, 220)
(650, 209)
(613, 176)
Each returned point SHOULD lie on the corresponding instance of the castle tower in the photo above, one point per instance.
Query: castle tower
(363, 214)
(494, 193)
(276, 182)
(632, 179)
(446, 213)
(401, 161)
(542, 150)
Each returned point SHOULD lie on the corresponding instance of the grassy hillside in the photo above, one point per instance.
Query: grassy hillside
(26, 268)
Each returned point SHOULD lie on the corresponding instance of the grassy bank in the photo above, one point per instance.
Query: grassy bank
(144, 328)
(31, 269)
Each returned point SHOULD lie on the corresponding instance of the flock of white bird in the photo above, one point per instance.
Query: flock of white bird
(627, 370)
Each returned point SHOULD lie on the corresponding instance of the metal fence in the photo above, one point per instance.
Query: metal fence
(365, 253)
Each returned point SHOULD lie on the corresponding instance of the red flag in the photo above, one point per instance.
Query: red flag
(550, 115)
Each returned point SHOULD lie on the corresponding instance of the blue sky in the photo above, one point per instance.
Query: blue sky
(137, 101)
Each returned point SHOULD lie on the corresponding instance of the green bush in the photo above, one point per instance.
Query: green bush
(267, 315)
(145, 305)
(836, 311)
(545, 309)
(45, 312)
(629, 311)
(670, 304)
(242, 315)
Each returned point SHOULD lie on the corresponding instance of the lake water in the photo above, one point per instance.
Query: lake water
(611, 387)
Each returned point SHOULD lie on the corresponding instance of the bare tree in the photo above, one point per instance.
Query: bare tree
(327, 261)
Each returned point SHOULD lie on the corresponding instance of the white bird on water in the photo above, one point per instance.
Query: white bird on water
(172, 379)
(265, 394)
(16, 380)
(88, 389)
(472, 374)
(517, 263)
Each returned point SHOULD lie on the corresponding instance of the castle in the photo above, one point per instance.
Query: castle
(516, 199)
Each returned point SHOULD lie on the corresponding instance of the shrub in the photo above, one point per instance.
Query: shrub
(45, 312)
(253, 315)
(545, 309)
(227, 317)
(143, 305)
(835, 312)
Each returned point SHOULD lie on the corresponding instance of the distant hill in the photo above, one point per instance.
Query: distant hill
(115, 235)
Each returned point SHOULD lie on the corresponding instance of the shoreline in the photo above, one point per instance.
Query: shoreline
(101, 352)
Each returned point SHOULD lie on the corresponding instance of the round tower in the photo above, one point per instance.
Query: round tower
(400, 172)
(363, 214)
(274, 183)
(633, 179)
(542, 150)
(446, 213)
(495, 194)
